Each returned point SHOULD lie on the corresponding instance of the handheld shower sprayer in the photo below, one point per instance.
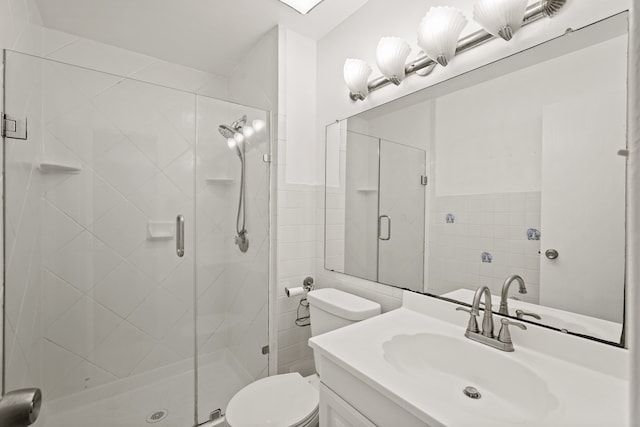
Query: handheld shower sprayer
(236, 138)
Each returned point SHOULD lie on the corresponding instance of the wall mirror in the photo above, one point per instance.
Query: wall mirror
(517, 168)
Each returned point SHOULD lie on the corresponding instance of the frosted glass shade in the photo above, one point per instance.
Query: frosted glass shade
(439, 32)
(501, 18)
(391, 55)
(356, 76)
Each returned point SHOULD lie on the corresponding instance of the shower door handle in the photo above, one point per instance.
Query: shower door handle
(388, 227)
(180, 235)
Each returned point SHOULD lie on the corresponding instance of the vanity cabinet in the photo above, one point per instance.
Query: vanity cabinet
(335, 412)
(349, 401)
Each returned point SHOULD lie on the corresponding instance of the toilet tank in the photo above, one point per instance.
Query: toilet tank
(332, 309)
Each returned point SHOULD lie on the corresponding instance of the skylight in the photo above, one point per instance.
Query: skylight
(302, 6)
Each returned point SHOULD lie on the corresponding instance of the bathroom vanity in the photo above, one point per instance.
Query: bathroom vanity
(411, 366)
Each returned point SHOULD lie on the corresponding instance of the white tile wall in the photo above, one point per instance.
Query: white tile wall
(495, 223)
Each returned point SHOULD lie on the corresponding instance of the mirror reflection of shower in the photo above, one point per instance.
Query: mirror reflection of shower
(240, 137)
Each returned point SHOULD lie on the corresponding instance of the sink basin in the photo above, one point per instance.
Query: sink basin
(451, 364)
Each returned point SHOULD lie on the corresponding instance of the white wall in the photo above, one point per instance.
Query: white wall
(297, 225)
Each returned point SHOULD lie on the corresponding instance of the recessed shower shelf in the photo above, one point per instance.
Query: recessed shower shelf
(51, 167)
(219, 180)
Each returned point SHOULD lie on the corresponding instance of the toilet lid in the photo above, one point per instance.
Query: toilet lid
(277, 401)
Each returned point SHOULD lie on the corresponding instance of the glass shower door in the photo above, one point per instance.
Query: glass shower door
(401, 210)
(99, 306)
(232, 284)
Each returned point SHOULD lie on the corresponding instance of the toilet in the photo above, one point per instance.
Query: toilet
(289, 400)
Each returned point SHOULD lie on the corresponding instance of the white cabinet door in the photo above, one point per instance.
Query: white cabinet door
(335, 412)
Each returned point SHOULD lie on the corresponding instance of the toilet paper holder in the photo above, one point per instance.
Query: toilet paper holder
(307, 286)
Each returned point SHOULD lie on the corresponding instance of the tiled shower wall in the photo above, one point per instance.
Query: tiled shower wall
(79, 233)
(119, 301)
(463, 228)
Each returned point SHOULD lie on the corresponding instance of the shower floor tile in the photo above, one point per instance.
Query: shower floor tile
(219, 380)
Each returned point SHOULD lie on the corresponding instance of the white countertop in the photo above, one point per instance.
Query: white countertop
(588, 387)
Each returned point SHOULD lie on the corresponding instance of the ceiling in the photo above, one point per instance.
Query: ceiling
(210, 35)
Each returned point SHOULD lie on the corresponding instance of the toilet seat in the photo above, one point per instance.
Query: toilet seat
(285, 400)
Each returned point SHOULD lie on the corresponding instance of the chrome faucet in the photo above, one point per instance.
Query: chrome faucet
(504, 307)
(487, 319)
(521, 313)
(503, 340)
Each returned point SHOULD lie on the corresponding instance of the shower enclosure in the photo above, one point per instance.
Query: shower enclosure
(101, 312)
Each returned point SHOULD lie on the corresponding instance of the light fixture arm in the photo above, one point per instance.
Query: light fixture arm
(534, 12)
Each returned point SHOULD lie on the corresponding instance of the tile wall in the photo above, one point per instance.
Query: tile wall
(505, 227)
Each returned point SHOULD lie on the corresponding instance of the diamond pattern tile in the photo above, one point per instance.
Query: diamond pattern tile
(158, 313)
(123, 289)
(58, 229)
(124, 167)
(85, 197)
(123, 228)
(85, 132)
(160, 199)
(83, 262)
(157, 259)
(59, 295)
(83, 327)
(160, 142)
(121, 352)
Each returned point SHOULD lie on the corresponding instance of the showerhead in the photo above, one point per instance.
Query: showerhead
(234, 134)
(226, 131)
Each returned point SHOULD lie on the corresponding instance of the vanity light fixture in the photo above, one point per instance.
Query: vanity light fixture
(302, 6)
(500, 17)
(435, 38)
(391, 54)
(356, 74)
(439, 32)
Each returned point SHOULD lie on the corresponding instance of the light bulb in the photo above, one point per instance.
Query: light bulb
(239, 138)
(500, 17)
(391, 54)
(439, 32)
(356, 74)
(231, 143)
